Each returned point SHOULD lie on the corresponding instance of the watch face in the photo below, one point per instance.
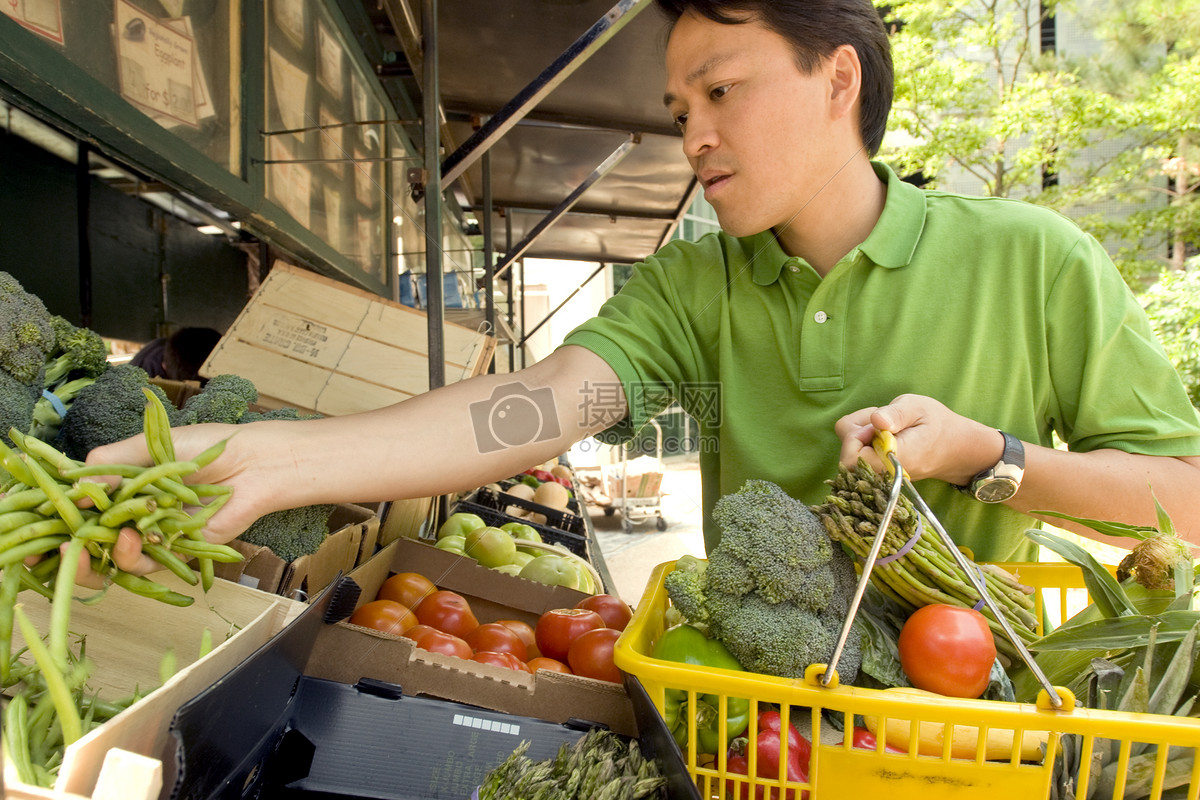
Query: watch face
(996, 490)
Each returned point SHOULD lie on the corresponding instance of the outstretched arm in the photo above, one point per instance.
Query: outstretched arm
(457, 437)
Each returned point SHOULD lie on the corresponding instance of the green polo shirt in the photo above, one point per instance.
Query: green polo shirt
(1005, 312)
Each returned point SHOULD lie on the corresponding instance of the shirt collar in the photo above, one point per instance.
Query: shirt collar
(890, 244)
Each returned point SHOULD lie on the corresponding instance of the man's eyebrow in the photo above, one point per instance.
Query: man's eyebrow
(698, 73)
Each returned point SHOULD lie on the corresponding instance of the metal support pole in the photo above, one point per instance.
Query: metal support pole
(489, 294)
(521, 344)
(434, 309)
(512, 297)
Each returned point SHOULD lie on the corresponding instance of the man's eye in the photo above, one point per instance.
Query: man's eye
(719, 92)
(680, 120)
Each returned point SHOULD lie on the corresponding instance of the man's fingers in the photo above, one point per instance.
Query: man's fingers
(128, 556)
(84, 576)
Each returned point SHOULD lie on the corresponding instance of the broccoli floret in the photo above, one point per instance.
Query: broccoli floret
(26, 332)
(776, 590)
(109, 410)
(77, 351)
(761, 519)
(685, 586)
(17, 401)
(291, 533)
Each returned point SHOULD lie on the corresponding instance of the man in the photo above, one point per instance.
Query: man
(837, 301)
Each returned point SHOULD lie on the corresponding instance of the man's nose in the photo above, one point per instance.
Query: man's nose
(699, 136)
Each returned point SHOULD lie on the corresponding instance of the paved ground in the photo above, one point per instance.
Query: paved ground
(630, 557)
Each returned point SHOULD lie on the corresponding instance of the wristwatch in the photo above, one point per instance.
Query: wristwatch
(1002, 480)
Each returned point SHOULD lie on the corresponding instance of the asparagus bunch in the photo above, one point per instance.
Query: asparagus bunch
(600, 765)
(53, 510)
(926, 572)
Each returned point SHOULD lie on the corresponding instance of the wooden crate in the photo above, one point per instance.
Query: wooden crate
(316, 344)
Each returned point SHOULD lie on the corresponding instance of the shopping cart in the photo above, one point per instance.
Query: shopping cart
(634, 487)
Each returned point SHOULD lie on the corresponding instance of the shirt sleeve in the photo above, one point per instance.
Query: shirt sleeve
(642, 333)
(1115, 385)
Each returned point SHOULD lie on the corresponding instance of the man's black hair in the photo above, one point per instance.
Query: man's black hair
(815, 28)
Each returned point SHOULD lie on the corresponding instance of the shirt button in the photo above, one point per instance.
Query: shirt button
(820, 317)
(794, 268)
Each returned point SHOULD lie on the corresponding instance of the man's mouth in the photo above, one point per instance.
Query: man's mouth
(712, 180)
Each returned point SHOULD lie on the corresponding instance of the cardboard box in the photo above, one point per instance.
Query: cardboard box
(317, 344)
(406, 519)
(308, 736)
(353, 532)
(346, 653)
(127, 636)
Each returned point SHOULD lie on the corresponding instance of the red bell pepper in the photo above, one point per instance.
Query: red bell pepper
(770, 750)
(865, 740)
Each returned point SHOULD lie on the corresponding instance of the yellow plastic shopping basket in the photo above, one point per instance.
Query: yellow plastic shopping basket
(1146, 746)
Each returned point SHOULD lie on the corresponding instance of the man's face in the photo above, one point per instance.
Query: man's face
(757, 132)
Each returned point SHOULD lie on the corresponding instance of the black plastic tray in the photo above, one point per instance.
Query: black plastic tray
(560, 527)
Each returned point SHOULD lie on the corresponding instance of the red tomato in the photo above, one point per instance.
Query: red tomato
(406, 588)
(448, 612)
(506, 660)
(525, 631)
(591, 655)
(436, 641)
(416, 631)
(493, 637)
(558, 627)
(554, 665)
(948, 650)
(615, 612)
(384, 615)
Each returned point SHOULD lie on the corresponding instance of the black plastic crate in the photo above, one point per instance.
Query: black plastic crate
(560, 527)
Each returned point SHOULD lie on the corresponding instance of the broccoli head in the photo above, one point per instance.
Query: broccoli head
(225, 398)
(26, 331)
(109, 410)
(776, 590)
(235, 384)
(17, 401)
(291, 533)
(77, 351)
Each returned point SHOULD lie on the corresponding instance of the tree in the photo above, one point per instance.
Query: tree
(1173, 305)
(977, 96)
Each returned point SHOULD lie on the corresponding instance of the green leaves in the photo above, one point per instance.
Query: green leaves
(1106, 593)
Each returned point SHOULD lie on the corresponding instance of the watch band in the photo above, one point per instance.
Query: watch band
(1002, 480)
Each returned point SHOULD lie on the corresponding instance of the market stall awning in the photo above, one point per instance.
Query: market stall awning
(592, 169)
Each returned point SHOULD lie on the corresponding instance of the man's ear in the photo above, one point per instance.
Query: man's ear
(845, 74)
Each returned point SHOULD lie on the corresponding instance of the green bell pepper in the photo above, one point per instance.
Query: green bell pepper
(685, 644)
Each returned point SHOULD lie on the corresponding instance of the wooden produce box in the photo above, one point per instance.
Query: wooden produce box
(127, 636)
(347, 653)
(315, 344)
(353, 533)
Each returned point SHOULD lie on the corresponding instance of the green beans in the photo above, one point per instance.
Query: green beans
(51, 502)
